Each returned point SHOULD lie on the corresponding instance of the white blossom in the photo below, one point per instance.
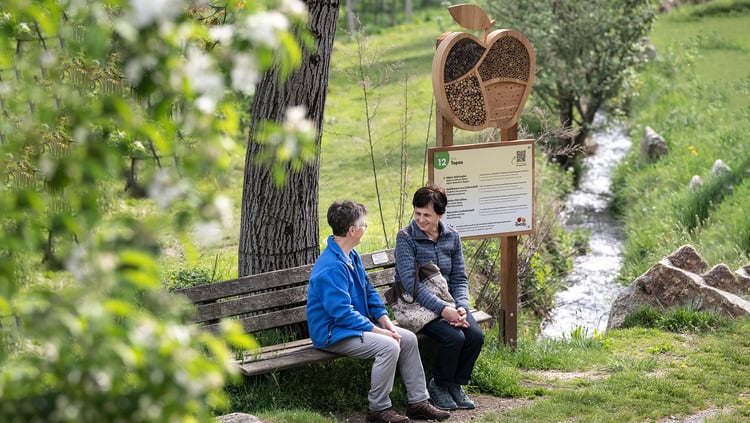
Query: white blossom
(207, 233)
(48, 58)
(293, 7)
(77, 263)
(245, 73)
(47, 167)
(221, 33)
(263, 28)
(137, 66)
(146, 12)
(179, 333)
(296, 120)
(164, 191)
(204, 80)
(144, 333)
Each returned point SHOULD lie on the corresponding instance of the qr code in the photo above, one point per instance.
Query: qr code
(521, 156)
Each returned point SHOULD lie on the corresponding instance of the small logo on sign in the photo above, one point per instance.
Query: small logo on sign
(441, 159)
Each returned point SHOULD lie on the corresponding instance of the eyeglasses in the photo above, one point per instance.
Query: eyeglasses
(364, 225)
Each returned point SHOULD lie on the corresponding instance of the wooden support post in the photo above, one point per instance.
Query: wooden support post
(509, 289)
(444, 131)
(509, 271)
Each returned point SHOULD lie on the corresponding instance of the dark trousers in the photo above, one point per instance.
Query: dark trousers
(458, 349)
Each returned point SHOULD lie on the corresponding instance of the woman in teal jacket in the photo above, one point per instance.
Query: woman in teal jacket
(345, 315)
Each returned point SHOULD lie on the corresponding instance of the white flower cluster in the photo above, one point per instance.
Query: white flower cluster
(147, 12)
(156, 30)
(208, 233)
(260, 30)
(205, 81)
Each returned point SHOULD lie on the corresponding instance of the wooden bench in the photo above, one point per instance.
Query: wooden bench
(276, 301)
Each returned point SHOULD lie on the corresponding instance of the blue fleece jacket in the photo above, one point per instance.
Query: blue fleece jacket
(413, 244)
(341, 301)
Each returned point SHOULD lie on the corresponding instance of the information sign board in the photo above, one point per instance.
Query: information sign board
(490, 187)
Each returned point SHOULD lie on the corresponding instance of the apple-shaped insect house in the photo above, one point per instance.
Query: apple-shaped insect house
(481, 83)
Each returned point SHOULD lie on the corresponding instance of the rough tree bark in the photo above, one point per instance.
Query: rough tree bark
(279, 226)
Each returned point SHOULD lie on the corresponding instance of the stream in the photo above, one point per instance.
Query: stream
(589, 289)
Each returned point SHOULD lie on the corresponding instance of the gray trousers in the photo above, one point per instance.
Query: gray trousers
(388, 354)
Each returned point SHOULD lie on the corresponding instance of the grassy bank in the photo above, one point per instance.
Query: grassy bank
(695, 94)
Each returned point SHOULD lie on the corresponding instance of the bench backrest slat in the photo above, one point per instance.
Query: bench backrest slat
(278, 279)
(272, 320)
(272, 299)
(252, 304)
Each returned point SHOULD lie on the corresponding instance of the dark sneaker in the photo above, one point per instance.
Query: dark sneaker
(426, 411)
(459, 396)
(440, 396)
(385, 416)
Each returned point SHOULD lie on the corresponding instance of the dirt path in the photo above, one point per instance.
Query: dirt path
(485, 404)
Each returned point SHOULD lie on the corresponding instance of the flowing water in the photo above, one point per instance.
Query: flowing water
(590, 287)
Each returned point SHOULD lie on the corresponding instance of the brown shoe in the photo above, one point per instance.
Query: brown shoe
(426, 411)
(385, 416)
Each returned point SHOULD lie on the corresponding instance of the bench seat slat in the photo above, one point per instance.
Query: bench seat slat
(287, 360)
(300, 352)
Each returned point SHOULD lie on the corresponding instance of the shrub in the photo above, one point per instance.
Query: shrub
(185, 278)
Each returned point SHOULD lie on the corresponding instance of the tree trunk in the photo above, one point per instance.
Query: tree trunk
(279, 226)
(351, 20)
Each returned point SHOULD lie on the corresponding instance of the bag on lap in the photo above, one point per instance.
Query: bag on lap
(406, 309)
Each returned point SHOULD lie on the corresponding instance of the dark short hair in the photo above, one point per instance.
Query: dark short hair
(431, 194)
(344, 214)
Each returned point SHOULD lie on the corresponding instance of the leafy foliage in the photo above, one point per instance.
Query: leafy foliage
(586, 52)
(87, 89)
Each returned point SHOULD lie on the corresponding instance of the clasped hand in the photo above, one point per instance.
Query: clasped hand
(456, 317)
(385, 327)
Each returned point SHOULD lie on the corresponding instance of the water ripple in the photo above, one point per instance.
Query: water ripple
(590, 287)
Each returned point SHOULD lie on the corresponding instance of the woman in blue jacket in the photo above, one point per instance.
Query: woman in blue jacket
(346, 316)
(459, 337)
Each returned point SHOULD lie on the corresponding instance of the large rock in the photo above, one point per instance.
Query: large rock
(653, 146)
(686, 258)
(238, 418)
(743, 274)
(677, 281)
(722, 277)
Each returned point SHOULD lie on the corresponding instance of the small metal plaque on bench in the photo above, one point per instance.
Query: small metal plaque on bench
(380, 258)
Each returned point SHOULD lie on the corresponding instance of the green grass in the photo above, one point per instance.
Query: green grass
(629, 375)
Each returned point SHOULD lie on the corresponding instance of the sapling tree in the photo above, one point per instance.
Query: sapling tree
(586, 52)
